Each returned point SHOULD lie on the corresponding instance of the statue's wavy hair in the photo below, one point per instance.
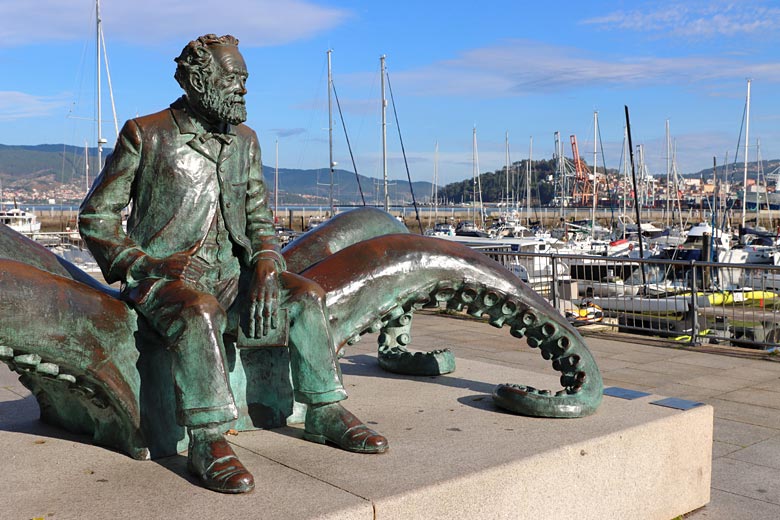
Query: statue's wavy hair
(196, 56)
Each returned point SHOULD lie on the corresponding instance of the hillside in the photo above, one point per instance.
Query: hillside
(39, 169)
(47, 171)
(736, 171)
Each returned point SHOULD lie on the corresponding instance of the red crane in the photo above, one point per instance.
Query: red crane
(582, 194)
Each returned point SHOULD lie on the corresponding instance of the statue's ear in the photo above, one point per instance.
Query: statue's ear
(197, 82)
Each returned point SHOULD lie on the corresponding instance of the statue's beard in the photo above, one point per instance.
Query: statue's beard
(216, 107)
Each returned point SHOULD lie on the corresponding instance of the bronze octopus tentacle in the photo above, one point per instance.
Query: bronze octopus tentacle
(347, 229)
(377, 284)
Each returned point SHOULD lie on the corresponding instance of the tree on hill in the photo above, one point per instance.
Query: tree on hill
(494, 184)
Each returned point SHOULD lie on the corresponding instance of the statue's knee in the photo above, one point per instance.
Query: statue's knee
(314, 291)
(307, 290)
(203, 306)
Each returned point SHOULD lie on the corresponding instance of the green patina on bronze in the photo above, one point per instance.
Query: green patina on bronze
(153, 369)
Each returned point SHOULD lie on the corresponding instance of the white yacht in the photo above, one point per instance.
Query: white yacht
(20, 220)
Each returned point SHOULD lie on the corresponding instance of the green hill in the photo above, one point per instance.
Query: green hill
(46, 167)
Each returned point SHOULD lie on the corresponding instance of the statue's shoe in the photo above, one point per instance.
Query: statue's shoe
(335, 424)
(218, 467)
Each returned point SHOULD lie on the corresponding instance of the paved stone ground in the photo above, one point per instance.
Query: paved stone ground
(743, 386)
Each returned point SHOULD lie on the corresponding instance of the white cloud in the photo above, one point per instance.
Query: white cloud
(18, 105)
(288, 132)
(695, 19)
(523, 67)
(255, 22)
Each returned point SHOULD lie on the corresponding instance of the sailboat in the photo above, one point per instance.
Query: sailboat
(439, 229)
(472, 227)
(319, 218)
(75, 253)
(747, 137)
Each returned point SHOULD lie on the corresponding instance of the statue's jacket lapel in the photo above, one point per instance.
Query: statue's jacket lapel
(183, 182)
(175, 185)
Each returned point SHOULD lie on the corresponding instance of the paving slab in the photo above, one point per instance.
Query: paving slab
(764, 453)
(602, 345)
(694, 393)
(672, 367)
(638, 376)
(766, 372)
(644, 356)
(528, 359)
(703, 359)
(624, 384)
(754, 396)
(607, 363)
(721, 383)
(8, 378)
(732, 506)
(746, 479)
(452, 455)
(740, 433)
(721, 449)
(746, 413)
(773, 385)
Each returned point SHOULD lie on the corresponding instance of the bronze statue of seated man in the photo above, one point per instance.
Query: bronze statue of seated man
(202, 274)
(200, 255)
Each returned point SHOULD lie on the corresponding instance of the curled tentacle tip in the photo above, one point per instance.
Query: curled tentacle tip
(525, 400)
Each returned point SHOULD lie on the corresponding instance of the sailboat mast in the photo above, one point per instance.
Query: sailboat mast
(474, 170)
(479, 182)
(758, 181)
(506, 153)
(668, 173)
(276, 184)
(436, 183)
(331, 164)
(561, 185)
(747, 137)
(595, 177)
(86, 166)
(642, 176)
(99, 112)
(384, 133)
(676, 185)
(528, 180)
(625, 174)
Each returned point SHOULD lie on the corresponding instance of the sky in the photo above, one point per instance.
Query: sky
(505, 68)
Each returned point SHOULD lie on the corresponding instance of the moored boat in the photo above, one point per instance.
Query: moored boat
(19, 220)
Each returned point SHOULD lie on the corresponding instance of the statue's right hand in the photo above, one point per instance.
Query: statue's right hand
(178, 266)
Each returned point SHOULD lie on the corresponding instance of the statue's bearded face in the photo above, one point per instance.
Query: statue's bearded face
(222, 99)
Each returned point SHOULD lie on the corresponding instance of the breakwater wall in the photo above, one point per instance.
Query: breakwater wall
(54, 219)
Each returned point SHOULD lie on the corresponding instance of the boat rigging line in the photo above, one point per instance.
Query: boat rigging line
(604, 165)
(636, 201)
(349, 146)
(403, 151)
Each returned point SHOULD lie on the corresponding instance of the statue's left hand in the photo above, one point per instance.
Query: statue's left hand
(264, 297)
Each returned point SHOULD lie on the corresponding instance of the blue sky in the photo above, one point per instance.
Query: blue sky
(526, 68)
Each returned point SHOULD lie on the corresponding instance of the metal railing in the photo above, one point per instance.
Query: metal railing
(689, 301)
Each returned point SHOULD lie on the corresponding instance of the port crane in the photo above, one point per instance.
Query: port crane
(583, 186)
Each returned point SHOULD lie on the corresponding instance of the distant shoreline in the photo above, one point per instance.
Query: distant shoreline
(61, 218)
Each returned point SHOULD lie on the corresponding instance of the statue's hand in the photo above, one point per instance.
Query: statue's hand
(178, 266)
(264, 298)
